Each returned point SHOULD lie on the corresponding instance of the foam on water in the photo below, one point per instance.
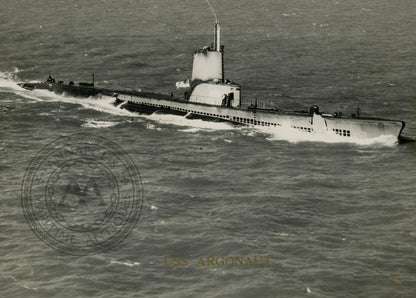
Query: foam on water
(98, 124)
(153, 127)
(102, 103)
(127, 263)
(274, 134)
(7, 82)
(295, 136)
(193, 125)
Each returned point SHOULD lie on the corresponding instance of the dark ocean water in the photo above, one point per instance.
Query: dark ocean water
(337, 220)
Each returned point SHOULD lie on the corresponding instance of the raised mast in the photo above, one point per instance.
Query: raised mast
(217, 37)
(217, 33)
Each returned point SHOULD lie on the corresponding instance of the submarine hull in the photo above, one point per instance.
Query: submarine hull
(300, 122)
(342, 127)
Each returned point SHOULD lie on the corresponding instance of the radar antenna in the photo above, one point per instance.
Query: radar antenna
(213, 12)
(217, 30)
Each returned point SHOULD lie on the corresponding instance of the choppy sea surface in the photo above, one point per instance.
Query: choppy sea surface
(336, 219)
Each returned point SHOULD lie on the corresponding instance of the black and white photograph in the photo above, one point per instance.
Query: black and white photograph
(207, 148)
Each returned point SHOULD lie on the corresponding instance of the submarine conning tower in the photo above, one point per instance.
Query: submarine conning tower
(210, 87)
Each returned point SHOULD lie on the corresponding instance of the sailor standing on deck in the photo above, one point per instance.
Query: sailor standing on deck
(224, 100)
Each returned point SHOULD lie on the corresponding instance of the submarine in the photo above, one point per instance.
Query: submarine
(209, 96)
